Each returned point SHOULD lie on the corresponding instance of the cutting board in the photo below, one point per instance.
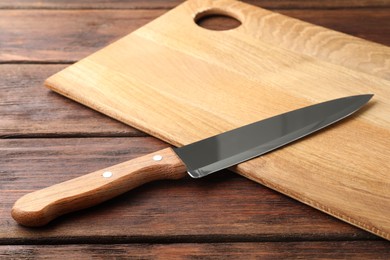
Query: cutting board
(181, 83)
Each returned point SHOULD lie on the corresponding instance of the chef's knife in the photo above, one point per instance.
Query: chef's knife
(197, 159)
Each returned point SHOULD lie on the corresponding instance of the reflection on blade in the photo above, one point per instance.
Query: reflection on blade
(238, 145)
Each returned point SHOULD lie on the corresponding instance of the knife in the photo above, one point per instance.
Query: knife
(197, 159)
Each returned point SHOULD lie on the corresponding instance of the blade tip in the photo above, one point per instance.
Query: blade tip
(368, 96)
(365, 97)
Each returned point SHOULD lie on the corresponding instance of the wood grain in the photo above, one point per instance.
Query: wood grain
(220, 207)
(153, 68)
(40, 207)
(66, 36)
(168, 4)
(147, 215)
(254, 213)
(270, 250)
(73, 34)
(29, 110)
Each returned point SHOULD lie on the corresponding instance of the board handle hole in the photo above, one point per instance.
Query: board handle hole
(216, 20)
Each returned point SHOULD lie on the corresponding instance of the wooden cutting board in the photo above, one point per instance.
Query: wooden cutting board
(181, 83)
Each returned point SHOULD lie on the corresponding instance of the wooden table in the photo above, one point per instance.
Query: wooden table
(46, 138)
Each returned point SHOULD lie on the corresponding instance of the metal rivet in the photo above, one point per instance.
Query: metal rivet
(107, 174)
(157, 157)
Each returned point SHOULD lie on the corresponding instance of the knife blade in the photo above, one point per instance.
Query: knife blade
(197, 159)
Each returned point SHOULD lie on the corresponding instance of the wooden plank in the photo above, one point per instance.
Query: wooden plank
(221, 207)
(28, 109)
(67, 36)
(155, 4)
(64, 36)
(270, 250)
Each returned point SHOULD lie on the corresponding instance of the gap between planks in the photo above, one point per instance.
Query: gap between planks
(199, 239)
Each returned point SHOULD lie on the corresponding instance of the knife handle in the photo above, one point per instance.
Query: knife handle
(40, 207)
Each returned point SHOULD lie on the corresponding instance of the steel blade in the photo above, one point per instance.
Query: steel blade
(246, 142)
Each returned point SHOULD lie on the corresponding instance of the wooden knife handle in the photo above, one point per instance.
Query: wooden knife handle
(40, 207)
